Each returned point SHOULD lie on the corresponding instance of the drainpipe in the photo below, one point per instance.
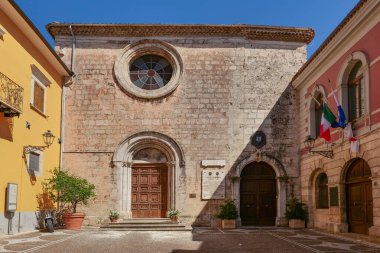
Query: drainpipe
(63, 99)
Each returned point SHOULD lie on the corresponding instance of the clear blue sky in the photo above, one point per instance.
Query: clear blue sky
(321, 15)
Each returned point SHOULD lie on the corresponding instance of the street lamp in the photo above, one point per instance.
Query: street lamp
(48, 138)
(309, 144)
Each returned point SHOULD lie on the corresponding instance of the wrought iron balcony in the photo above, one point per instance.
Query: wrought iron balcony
(11, 97)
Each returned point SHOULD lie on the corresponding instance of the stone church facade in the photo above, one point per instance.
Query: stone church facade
(164, 117)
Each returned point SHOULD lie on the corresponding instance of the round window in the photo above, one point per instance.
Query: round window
(149, 69)
(150, 72)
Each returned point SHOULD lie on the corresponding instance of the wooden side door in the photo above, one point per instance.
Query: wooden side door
(258, 195)
(359, 197)
(149, 191)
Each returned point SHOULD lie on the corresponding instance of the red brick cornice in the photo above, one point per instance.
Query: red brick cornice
(272, 33)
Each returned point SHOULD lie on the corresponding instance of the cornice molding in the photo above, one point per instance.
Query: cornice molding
(270, 33)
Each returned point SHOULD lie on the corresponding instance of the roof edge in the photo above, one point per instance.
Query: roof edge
(40, 36)
(258, 32)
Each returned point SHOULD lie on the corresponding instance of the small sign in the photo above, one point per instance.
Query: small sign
(12, 197)
(213, 184)
(259, 139)
(334, 197)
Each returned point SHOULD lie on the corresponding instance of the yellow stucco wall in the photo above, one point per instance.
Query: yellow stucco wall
(17, 54)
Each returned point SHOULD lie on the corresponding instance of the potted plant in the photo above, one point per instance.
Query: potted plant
(296, 213)
(173, 214)
(70, 191)
(228, 214)
(113, 216)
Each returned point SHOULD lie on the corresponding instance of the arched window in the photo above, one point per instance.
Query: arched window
(353, 80)
(315, 113)
(355, 92)
(322, 199)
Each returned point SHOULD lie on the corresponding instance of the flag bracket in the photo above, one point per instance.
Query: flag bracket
(309, 144)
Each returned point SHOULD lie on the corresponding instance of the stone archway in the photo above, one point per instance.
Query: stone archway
(281, 177)
(147, 148)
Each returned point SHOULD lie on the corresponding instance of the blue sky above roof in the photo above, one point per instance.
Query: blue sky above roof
(322, 15)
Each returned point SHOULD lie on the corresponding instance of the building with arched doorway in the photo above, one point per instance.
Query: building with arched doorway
(340, 178)
(164, 117)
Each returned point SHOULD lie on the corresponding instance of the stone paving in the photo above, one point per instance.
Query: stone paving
(200, 240)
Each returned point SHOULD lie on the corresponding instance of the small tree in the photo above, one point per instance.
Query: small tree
(227, 211)
(70, 189)
(296, 210)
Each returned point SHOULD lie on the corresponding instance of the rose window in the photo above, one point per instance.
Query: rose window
(150, 72)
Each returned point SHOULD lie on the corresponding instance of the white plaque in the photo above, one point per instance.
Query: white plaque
(213, 184)
(11, 197)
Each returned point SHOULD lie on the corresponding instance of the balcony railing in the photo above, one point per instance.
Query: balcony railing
(11, 97)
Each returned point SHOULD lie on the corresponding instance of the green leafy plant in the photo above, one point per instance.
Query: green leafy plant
(227, 211)
(296, 210)
(173, 212)
(114, 214)
(69, 189)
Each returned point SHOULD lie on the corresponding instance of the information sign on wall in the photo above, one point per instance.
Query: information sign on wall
(11, 197)
(213, 184)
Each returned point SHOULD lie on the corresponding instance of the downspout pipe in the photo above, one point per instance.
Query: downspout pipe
(65, 85)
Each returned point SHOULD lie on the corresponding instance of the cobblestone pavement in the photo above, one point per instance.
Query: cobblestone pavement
(200, 240)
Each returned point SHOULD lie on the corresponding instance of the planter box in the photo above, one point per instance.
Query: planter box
(296, 223)
(228, 224)
(73, 221)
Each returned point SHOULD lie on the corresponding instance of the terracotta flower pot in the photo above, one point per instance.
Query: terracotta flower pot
(113, 220)
(73, 221)
(174, 218)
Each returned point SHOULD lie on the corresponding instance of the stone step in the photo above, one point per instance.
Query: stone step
(149, 229)
(153, 224)
(148, 224)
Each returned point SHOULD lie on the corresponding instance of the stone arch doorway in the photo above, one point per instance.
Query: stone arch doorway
(150, 167)
(359, 197)
(258, 195)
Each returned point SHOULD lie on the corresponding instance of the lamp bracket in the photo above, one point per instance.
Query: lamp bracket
(325, 153)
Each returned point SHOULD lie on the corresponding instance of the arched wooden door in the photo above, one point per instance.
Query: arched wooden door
(359, 197)
(149, 190)
(258, 195)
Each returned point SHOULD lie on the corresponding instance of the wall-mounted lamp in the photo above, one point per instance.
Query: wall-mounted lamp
(309, 144)
(48, 138)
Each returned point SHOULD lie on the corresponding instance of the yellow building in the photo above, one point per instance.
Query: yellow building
(31, 82)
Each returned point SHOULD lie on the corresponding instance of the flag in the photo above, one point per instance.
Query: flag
(328, 118)
(342, 117)
(350, 136)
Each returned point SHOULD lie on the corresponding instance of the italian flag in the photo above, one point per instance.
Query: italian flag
(328, 118)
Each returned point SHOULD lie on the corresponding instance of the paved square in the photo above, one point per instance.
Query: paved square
(200, 240)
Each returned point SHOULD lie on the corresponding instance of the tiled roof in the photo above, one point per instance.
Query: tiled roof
(273, 33)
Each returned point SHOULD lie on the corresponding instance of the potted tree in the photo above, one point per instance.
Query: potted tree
(173, 214)
(113, 216)
(296, 213)
(70, 191)
(228, 214)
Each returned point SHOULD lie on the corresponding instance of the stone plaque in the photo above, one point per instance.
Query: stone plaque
(213, 184)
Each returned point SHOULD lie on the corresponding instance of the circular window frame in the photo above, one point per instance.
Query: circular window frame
(145, 47)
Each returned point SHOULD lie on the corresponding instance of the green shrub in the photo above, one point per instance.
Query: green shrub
(227, 211)
(296, 210)
(69, 189)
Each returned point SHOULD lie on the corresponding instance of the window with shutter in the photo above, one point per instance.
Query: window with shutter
(39, 97)
(35, 162)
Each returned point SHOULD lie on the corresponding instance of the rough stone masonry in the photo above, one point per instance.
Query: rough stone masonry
(231, 86)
